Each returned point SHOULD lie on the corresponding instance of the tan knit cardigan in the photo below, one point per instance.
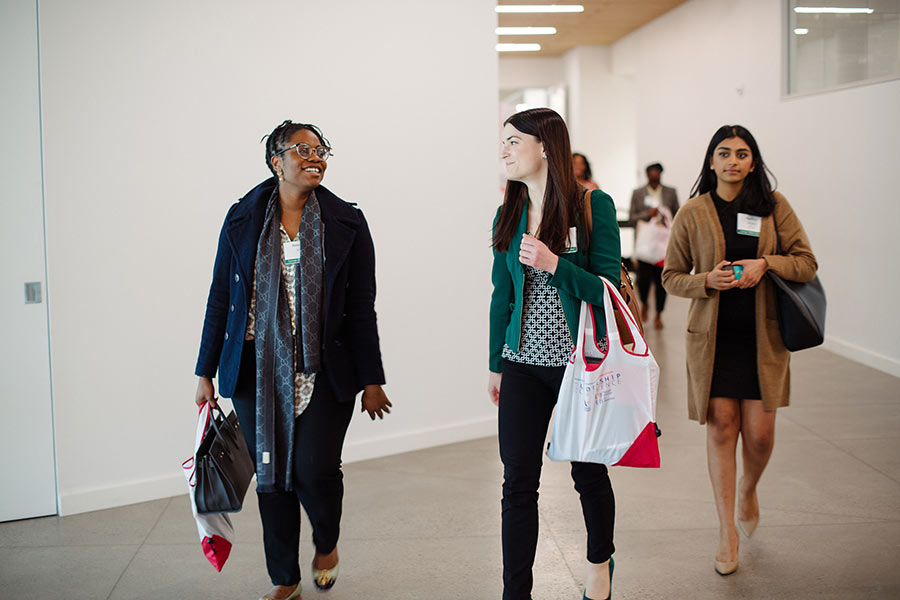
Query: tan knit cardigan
(696, 246)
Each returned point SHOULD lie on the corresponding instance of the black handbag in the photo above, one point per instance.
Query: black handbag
(223, 465)
(801, 309)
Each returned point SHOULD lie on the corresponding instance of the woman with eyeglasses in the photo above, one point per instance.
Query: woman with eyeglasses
(291, 330)
(733, 230)
(546, 261)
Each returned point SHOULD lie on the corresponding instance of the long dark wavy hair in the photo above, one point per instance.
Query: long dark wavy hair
(562, 195)
(756, 196)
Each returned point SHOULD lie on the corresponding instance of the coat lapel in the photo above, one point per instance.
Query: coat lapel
(243, 229)
(339, 236)
(515, 244)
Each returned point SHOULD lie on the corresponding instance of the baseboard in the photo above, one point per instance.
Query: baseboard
(862, 355)
(419, 439)
(85, 500)
(132, 492)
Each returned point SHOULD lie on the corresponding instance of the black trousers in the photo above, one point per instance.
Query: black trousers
(317, 478)
(648, 274)
(527, 397)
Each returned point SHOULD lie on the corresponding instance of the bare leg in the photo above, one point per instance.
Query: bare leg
(597, 583)
(326, 561)
(757, 441)
(722, 427)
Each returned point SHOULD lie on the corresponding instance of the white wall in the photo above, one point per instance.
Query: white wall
(662, 91)
(153, 114)
(535, 71)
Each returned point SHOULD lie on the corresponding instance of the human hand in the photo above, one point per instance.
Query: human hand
(206, 392)
(754, 269)
(653, 212)
(375, 402)
(535, 253)
(721, 278)
(494, 387)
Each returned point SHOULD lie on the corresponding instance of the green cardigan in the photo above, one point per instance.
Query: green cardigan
(575, 278)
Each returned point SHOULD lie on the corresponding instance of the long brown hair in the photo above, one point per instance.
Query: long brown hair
(562, 195)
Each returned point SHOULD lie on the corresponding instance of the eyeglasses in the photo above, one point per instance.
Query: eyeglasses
(306, 151)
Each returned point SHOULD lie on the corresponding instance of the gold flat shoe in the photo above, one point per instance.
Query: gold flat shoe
(292, 596)
(726, 567)
(324, 578)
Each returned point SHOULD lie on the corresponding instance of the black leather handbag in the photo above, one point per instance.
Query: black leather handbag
(223, 465)
(801, 309)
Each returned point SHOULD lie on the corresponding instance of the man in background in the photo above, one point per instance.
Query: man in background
(657, 204)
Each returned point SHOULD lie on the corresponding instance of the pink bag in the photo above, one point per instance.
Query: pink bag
(216, 531)
(606, 412)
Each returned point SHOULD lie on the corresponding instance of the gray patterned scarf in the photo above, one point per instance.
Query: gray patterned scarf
(276, 347)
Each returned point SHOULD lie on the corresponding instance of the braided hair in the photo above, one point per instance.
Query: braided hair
(278, 139)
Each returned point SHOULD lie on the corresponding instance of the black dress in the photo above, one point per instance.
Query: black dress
(735, 373)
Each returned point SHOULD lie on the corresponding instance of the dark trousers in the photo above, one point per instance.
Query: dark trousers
(648, 274)
(527, 397)
(317, 479)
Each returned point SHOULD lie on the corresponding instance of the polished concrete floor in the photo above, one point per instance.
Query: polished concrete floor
(427, 524)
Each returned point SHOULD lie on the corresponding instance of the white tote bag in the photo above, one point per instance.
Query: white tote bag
(652, 238)
(606, 413)
(216, 531)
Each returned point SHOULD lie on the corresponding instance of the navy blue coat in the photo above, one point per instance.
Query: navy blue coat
(351, 356)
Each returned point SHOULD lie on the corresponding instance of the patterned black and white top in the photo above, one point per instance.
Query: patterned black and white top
(546, 340)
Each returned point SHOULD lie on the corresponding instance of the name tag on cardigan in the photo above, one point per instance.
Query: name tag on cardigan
(749, 224)
(291, 252)
(572, 241)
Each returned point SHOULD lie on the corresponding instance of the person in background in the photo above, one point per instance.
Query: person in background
(545, 263)
(291, 330)
(583, 173)
(723, 242)
(645, 205)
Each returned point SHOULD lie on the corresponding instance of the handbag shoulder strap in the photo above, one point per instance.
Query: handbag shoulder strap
(777, 237)
(588, 216)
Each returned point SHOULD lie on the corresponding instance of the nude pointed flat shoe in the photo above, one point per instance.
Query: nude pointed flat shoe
(748, 527)
(726, 567)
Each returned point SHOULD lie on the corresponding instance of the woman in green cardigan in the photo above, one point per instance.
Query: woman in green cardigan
(545, 263)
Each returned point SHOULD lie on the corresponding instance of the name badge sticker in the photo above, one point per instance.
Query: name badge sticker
(291, 252)
(749, 224)
(572, 241)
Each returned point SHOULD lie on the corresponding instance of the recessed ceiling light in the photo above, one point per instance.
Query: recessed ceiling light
(526, 30)
(821, 10)
(540, 8)
(518, 47)
(801, 31)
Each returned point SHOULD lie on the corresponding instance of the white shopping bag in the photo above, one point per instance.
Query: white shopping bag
(216, 531)
(652, 238)
(606, 413)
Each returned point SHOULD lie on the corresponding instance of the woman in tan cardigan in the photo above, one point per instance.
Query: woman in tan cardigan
(723, 242)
